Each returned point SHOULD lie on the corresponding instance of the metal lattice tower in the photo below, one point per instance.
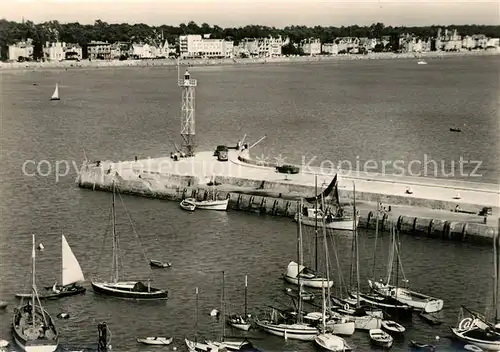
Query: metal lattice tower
(187, 113)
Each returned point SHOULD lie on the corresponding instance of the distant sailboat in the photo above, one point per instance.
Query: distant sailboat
(55, 95)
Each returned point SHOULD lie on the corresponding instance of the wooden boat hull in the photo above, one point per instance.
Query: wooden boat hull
(3, 304)
(210, 204)
(53, 295)
(493, 345)
(385, 303)
(342, 224)
(199, 347)
(125, 292)
(34, 345)
(380, 338)
(158, 264)
(330, 342)
(240, 326)
(317, 282)
(344, 329)
(392, 327)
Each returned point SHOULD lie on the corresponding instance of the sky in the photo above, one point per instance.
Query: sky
(277, 13)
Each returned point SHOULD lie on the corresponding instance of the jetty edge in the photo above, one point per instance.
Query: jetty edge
(256, 186)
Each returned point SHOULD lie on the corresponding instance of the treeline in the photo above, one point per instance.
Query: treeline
(11, 32)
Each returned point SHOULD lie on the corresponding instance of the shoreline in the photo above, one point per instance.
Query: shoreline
(19, 66)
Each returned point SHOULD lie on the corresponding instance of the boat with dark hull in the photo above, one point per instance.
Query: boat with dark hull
(71, 275)
(33, 329)
(125, 289)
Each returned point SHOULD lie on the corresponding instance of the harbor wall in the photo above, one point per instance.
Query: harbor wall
(175, 187)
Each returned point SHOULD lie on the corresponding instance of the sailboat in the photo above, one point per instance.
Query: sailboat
(210, 204)
(328, 341)
(292, 329)
(33, 328)
(338, 220)
(195, 346)
(404, 295)
(478, 330)
(229, 345)
(241, 321)
(71, 274)
(55, 95)
(363, 316)
(125, 289)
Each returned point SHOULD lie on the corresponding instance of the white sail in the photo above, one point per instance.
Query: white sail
(55, 96)
(71, 270)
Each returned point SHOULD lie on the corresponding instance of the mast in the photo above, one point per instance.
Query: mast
(223, 312)
(496, 271)
(316, 221)
(246, 293)
(115, 240)
(299, 247)
(196, 318)
(396, 249)
(376, 238)
(62, 259)
(327, 261)
(33, 276)
(355, 229)
(323, 315)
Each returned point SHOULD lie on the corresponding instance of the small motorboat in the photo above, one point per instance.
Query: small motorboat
(455, 129)
(417, 346)
(392, 327)
(380, 338)
(429, 318)
(159, 264)
(3, 304)
(473, 348)
(155, 340)
(187, 205)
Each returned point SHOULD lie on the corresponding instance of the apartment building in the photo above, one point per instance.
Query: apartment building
(197, 46)
(260, 47)
(99, 50)
(329, 48)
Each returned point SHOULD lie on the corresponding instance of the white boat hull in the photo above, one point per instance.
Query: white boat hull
(244, 327)
(199, 346)
(36, 348)
(228, 345)
(336, 224)
(210, 204)
(158, 341)
(289, 331)
(486, 345)
(414, 299)
(331, 342)
(317, 282)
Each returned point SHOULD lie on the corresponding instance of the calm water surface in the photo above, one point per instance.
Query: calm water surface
(374, 109)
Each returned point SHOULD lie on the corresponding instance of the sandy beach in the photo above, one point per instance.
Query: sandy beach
(6, 66)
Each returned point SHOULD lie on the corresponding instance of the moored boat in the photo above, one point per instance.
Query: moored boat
(210, 204)
(414, 299)
(307, 276)
(156, 340)
(33, 328)
(125, 289)
(393, 327)
(3, 304)
(159, 264)
(240, 321)
(380, 338)
(417, 346)
(55, 95)
(188, 205)
(305, 295)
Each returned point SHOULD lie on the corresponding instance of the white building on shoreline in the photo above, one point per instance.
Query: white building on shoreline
(196, 46)
(21, 49)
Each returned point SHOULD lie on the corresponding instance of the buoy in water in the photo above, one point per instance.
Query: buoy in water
(41, 247)
(214, 313)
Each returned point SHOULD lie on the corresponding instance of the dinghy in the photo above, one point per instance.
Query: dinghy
(4, 343)
(55, 95)
(159, 264)
(241, 321)
(392, 327)
(416, 346)
(3, 304)
(188, 205)
(380, 338)
(155, 340)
